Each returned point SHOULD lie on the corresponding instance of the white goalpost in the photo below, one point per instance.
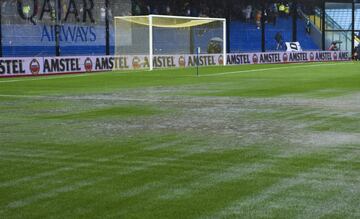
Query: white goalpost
(157, 35)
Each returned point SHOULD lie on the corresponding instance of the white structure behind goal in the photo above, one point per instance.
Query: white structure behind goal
(156, 35)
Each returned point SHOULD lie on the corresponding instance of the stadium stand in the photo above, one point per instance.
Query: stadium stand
(246, 37)
(87, 37)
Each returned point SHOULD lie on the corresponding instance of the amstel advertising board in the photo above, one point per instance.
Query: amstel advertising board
(80, 64)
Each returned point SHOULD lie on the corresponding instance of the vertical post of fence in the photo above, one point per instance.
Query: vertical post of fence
(57, 27)
(263, 46)
(323, 17)
(227, 26)
(294, 21)
(107, 28)
(353, 29)
(1, 53)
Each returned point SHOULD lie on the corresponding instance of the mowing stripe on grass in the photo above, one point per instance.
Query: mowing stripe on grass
(316, 178)
(214, 178)
(145, 166)
(50, 173)
(55, 192)
(265, 202)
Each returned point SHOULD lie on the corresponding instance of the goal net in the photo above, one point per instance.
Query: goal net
(158, 35)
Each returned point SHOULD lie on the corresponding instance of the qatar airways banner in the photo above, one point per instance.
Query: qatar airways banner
(82, 64)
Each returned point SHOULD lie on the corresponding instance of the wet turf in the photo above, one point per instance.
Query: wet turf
(236, 142)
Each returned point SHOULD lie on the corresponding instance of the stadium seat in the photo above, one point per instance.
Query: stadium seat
(245, 36)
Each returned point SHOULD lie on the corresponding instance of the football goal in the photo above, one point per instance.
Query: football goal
(159, 35)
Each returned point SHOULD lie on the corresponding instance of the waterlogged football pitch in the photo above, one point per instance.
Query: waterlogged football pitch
(264, 141)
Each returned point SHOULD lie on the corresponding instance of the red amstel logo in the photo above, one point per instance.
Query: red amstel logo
(285, 57)
(221, 60)
(255, 59)
(136, 62)
(181, 61)
(312, 56)
(335, 56)
(34, 67)
(88, 64)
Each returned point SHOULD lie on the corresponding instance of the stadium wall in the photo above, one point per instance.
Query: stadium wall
(33, 66)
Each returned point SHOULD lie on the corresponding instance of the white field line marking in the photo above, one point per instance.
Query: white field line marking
(49, 77)
(26, 96)
(96, 98)
(275, 68)
(54, 76)
(44, 78)
(89, 98)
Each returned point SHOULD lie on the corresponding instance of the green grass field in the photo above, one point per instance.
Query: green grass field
(261, 141)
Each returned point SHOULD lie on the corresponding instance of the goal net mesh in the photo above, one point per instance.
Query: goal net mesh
(170, 35)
